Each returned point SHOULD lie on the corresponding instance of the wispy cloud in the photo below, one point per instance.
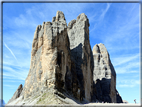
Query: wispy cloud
(92, 18)
(15, 70)
(127, 64)
(93, 28)
(128, 83)
(22, 21)
(124, 59)
(12, 81)
(14, 74)
(96, 19)
(120, 31)
(10, 51)
(105, 11)
(24, 41)
(10, 86)
(124, 70)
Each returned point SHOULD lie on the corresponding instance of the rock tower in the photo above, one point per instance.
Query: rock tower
(64, 66)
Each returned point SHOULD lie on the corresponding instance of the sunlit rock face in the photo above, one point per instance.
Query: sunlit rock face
(104, 76)
(64, 69)
(50, 59)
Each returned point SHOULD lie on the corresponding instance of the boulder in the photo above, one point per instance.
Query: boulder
(124, 101)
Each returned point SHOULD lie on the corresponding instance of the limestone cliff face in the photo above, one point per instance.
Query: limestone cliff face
(78, 32)
(50, 57)
(104, 75)
(64, 67)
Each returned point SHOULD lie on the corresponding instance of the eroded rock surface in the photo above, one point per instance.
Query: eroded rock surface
(17, 93)
(50, 60)
(104, 76)
(64, 69)
(78, 32)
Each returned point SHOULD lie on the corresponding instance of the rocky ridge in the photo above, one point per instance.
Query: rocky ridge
(64, 69)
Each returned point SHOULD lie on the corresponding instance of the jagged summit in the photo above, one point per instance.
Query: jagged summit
(64, 69)
(59, 17)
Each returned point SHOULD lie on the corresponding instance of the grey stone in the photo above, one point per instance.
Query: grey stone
(78, 32)
(17, 93)
(64, 66)
(119, 99)
(124, 101)
(104, 75)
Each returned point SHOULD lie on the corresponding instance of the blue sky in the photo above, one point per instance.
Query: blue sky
(116, 25)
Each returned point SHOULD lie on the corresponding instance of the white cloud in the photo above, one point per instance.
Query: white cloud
(10, 86)
(123, 70)
(17, 73)
(92, 18)
(128, 83)
(125, 85)
(123, 33)
(11, 80)
(95, 20)
(10, 51)
(128, 63)
(105, 11)
(131, 67)
(94, 27)
(24, 41)
(125, 59)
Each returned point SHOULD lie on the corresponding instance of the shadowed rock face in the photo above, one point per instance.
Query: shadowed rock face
(104, 76)
(63, 65)
(17, 93)
(78, 32)
(118, 98)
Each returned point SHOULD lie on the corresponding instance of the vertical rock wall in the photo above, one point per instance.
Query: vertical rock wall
(78, 32)
(62, 59)
(50, 57)
(104, 75)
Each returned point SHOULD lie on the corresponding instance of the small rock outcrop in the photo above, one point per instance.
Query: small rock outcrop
(118, 97)
(124, 101)
(17, 93)
(64, 69)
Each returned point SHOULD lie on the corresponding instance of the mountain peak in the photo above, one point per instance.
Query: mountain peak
(64, 69)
